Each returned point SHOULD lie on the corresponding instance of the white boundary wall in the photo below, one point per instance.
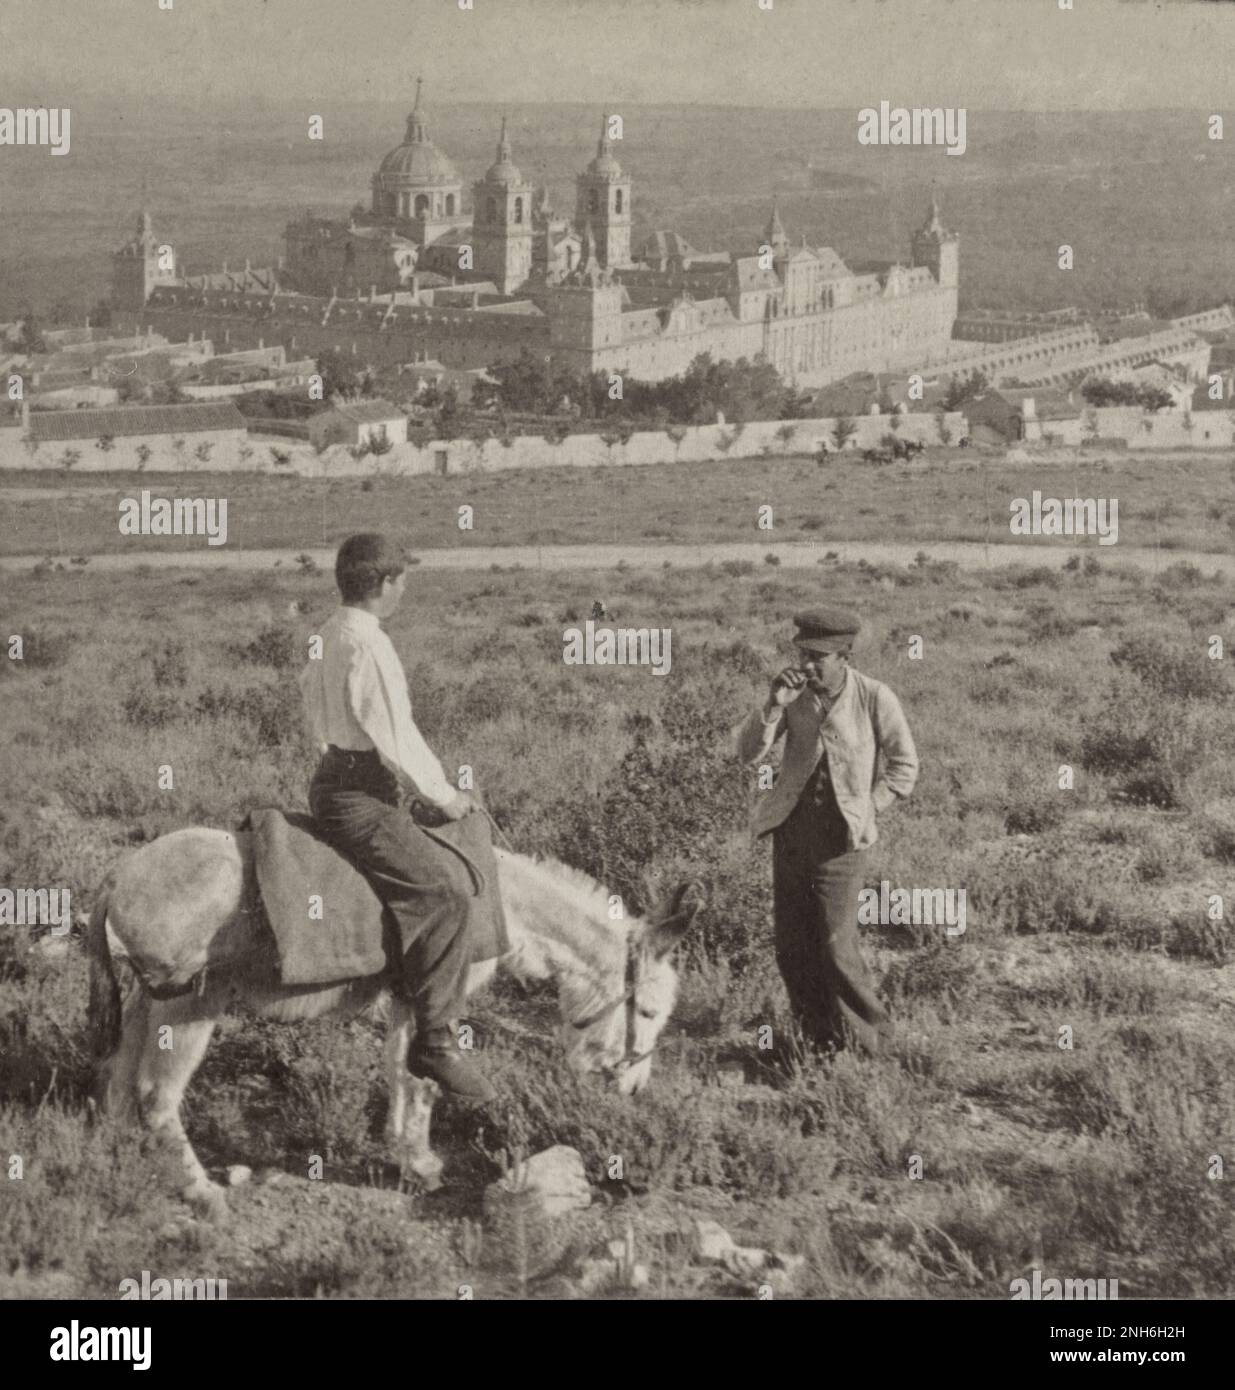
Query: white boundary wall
(699, 443)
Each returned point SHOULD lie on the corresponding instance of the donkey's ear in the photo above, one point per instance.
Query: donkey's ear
(667, 931)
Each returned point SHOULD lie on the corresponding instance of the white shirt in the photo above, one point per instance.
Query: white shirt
(355, 697)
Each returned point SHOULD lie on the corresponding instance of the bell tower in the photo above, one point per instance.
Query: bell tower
(502, 228)
(602, 198)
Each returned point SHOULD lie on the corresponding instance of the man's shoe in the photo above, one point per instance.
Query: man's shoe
(438, 1057)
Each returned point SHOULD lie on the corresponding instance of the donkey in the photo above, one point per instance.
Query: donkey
(187, 905)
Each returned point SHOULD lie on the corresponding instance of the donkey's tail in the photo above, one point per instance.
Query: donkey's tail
(105, 1006)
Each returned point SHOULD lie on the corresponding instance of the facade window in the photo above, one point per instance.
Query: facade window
(617, 201)
(593, 202)
(450, 205)
(422, 204)
(491, 210)
(518, 209)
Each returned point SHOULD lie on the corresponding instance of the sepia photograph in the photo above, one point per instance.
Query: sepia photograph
(617, 661)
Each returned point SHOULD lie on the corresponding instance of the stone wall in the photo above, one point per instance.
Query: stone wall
(226, 452)
(1166, 429)
(235, 452)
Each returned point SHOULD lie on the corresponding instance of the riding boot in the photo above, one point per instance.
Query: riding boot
(435, 1055)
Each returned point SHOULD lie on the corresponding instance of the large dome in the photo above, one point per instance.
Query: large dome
(418, 163)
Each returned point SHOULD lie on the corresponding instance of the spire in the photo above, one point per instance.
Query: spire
(604, 145)
(934, 222)
(774, 232)
(417, 134)
(503, 146)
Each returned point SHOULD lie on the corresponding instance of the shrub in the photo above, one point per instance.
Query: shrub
(1179, 669)
(169, 666)
(273, 646)
(1152, 758)
(42, 650)
(148, 707)
(1034, 816)
(271, 711)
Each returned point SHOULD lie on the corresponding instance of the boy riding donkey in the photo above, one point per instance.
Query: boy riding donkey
(359, 711)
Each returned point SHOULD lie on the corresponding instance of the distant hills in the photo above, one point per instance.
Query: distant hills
(1144, 198)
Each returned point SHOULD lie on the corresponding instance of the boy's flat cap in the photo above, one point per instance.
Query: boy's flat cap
(826, 629)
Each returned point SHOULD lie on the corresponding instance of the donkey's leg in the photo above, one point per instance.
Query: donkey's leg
(118, 1074)
(411, 1104)
(176, 1041)
(399, 1032)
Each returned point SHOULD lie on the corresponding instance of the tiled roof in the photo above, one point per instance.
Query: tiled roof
(1049, 402)
(135, 420)
(373, 412)
(750, 276)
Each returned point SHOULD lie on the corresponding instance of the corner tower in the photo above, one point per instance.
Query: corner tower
(136, 268)
(584, 311)
(602, 198)
(937, 248)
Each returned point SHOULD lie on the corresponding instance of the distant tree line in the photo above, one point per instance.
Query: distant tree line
(965, 388)
(743, 390)
(1102, 391)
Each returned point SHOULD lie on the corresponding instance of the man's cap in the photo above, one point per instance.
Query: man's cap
(826, 629)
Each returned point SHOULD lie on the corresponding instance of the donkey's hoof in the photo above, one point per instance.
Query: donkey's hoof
(206, 1198)
(426, 1171)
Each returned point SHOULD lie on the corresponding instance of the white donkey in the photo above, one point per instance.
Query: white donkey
(186, 907)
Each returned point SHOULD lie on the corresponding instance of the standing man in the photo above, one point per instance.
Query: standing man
(360, 713)
(848, 755)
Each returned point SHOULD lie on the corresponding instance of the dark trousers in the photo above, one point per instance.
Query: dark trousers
(355, 802)
(816, 881)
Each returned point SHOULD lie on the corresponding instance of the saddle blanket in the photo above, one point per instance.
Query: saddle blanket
(352, 935)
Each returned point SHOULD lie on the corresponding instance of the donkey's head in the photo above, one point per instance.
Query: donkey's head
(615, 1029)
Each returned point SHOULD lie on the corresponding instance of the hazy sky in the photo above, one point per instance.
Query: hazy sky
(1003, 54)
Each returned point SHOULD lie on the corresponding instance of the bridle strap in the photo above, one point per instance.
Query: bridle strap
(625, 999)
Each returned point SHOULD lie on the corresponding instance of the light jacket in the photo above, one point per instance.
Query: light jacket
(865, 738)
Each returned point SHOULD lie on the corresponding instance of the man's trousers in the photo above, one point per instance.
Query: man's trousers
(355, 801)
(816, 882)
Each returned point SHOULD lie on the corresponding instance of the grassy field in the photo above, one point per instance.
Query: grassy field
(1087, 909)
(1174, 502)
